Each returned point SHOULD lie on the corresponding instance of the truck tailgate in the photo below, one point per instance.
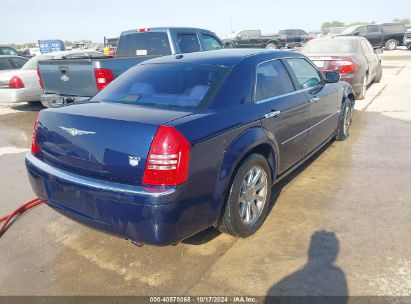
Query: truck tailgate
(73, 77)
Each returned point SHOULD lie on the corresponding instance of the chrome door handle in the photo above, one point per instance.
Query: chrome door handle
(272, 114)
(314, 99)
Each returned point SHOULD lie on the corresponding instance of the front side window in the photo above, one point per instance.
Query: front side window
(210, 43)
(307, 75)
(188, 43)
(372, 29)
(272, 80)
(164, 85)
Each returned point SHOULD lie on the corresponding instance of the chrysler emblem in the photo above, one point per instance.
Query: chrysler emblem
(133, 160)
(75, 132)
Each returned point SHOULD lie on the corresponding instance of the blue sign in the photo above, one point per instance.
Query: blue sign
(49, 46)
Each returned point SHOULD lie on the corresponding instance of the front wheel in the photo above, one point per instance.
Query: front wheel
(345, 122)
(271, 46)
(378, 76)
(249, 197)
(391, 44)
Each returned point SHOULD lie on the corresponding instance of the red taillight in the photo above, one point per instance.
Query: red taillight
(16, 83)
(342, 66)
(35, 148)
(103, 77)
(142, 30)
(168, 159)
(40, 80)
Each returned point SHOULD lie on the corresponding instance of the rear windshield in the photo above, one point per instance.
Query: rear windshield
(329, 46)
(165, 85)
(142, 44)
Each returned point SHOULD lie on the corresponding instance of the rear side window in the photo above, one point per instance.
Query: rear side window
(272, 80)
(18, 62)
(164, 85)
(210, 43)
(5, 64)
(307, 75)
(143, 44)
(188, 43)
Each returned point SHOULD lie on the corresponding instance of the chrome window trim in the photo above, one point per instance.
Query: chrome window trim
(308, 129)
(282, 95)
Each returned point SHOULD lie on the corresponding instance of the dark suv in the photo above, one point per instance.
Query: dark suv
(388, 35)
(294, 37)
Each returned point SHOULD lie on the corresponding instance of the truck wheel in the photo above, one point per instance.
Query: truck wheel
(391, 44)
(378, 76)
(345, 122)
(271, 46)
(249, 197)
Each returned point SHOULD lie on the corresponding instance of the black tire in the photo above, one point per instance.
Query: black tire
(391, 44)
(378, 76)
(271, 45)
(231, 220)
(346, 117)
(364, 83)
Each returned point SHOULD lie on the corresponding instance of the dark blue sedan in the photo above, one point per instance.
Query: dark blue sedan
(181, 143)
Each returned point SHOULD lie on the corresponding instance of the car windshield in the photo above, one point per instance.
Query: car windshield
(165, 85)
(329, 46)
(349, 30)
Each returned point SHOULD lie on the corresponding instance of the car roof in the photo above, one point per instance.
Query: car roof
(225, 57)
(166, 28)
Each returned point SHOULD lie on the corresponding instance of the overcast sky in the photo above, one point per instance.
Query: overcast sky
(28, 21)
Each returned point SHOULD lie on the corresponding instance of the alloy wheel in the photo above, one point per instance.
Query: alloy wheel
(253, 195)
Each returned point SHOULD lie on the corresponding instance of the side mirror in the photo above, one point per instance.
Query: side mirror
(238, 37)
(378, 51)
(332, 77)
(356, 33)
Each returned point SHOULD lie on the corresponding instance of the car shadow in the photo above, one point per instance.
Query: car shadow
(28, 106)
(211, 233)
(319, 280)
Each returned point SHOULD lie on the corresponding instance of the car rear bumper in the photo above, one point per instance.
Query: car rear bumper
(55, 100)
(19, 95)
(354, 80)
(158, 216)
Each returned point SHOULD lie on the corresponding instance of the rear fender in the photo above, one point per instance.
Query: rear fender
(242, 146)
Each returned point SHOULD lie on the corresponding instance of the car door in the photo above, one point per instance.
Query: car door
(255, 38)
(285, 111)
(323, 98)
(374, 35)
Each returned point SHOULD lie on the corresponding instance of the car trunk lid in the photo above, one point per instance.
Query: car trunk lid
(102, 140)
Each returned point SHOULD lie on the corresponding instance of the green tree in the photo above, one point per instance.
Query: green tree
(332, 24)
(404, 21)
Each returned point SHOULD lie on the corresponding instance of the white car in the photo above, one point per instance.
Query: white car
(23, 85)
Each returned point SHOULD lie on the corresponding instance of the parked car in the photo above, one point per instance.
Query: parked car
(66, 81)
(254, 39)
(10, 62)
(7, 50)
(352, 57)
(407, 39)
(21, 83)
(294, 37)
(181, 143)
(388, 35)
